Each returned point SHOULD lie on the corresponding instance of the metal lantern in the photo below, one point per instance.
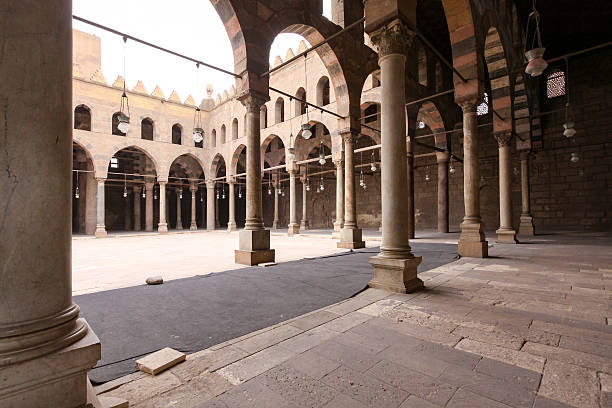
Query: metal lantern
(198, 132)
(535, 61)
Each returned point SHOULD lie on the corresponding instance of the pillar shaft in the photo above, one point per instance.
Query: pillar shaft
(210, 205)
(149, 206)
(526, 226)
(137, 221)
(179, 220)
(293, 226)
(231, 224)
(505, 232)
(194, 225)
(339, 222)
(162, 227)
(410, 191)
(350, 236)
(275, 221)
(305, 221)
(100, 211)
(91, 190)
(442, 158)
(127, 213)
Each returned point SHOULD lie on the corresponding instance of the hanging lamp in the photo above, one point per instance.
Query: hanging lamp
(154, 192)
(451, 167)
(307, 179)
(535, 61)
(373, 166)
(321, 154)
(201, 196)
(125, 186)
(568, 126)
(306, 132)
(198, 132)
(124, 109)
(239, 190)
(427, 177)
(76, 190)
(144, 191)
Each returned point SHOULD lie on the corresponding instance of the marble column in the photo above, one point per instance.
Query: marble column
(305, 223)
(231, 224)
(194, 225)
(100, 211)
(210, 205)
(137, 220)
(91, 191)
(275, 221)
(350, 236)
(526, 226)
(505, 233)
(442, 159)
(150, 186)
(472, 241)
(339, 221)
(82, 204)
(254, 239)
(410, 192)
(179, 200)
(162, 227)
(294, 227)
(395, 267)
(45, 348)
(217, 224)
(127, 213)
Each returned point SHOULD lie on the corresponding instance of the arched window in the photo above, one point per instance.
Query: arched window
(263, 117)
(422, 61)
(483, 108)
(213, 138)
(222, 134)
(199, 144)
(234, 129)
(323, 91)
(555, 84)
(82, 118)
(279, 111)
(146, 129)
(115, 128)
(177, 132)
(371, 113)
(300, 107)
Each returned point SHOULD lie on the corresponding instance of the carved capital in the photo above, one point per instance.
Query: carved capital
(393, 38)
(348, 135)
(524, 155)
(210, 184)
(339, 164)
(503, 138)
(468, 106)
(253, 101)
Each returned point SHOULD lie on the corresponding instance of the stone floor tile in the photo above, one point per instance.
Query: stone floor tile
(365, 388)
(408, 314)
(421, 385)
(540, 336)
(450, 355)
(378, 308)
(597, 336)
(261, 341)
(467, 399)
(362, 342)
(521, 359)
(570, 384)
(424, 333)
(255, 364)
(251, 394)
(347, 321)
(496, 337)
(313, 319)
(146, 387)
(349, 306)
(298, 388)
(382, 331)
(543, 402)
(512, 374)
(415, 402)
(312, 364)
(308, 339)
(356, 358)
(225, 356)
(574, 343)
(578, 358)
(373, 294)
(502, 391)
(342, 401)
(605, 382)
(423, 363)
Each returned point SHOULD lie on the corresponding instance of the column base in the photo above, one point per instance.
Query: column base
(179, 227)
(251, 258)
(275, 225)
(305, 225)
(100, 232)
(162, 228)
(231, 226)
(506, 236)
(471, 242)
(395, 275)
(351, 239)
(58, 379)
(293, 229)
(337, 229)
(193, 227)
(526, 226)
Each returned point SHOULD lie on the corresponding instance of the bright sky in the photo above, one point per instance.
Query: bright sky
(190, 27)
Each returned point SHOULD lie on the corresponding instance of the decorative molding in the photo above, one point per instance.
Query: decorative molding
(393, 38)
(503, 138)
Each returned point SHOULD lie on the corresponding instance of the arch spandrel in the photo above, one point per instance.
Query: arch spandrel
(102, 161)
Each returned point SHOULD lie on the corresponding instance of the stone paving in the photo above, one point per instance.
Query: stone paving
(528, 327)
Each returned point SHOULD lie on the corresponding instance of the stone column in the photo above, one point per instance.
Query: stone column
(506, 233)
(472, 241)
(294, 227)
(150, 186)
(231, 224)
(395, 267)
(410, 192)
(137, 221)
(305, 223)
(210, 205)
(339, 222)
(350, 236)
(254, 240)
(179, 221)
(194, 225)
(217, 224)
(442, 158)
(100, 211)
(526, 226)
(162, 227)
(275, 185)
(45, 348)
(127, 213)
(91, 191)
(82, 220)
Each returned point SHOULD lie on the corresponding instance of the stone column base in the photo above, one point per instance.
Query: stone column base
(179, 227)
(58, 379)
(395, 275)
(162, 228)
(337, 229)
(231, 226)
(351, 239)
(100, 232)
(275, 224)
(251, 258)
(254, 247)
(526, 226)
(506, 236)
(305, 225)
(293, 229)
(471, 241)
(193, 227)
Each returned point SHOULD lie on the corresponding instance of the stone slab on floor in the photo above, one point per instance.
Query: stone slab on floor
(160, 361)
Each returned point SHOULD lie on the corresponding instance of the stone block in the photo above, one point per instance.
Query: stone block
(312, 364)
(251, 258)
(255, 364)
(467, 399)
(578, 358)
(308, 340)
(296, 387)
(293, 229)
(254, 240)
(395, 275)
(506, 236)
(155, 280)
(518, 358)
(113, 402)
(160, 361)
(312, 320)
(570, 384)
(473, 249)
(355, 357)
(351, 239)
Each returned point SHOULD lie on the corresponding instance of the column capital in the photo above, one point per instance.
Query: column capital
(442, 157)
(211, 184)
(348, 135)
(503, 138)
(339, 163)
(162, 182)
(393, 38)
(469, 106)
(100, 179)
(303, 178)
(524, 154)
(253, 101)
(193, 187)
(136, 188)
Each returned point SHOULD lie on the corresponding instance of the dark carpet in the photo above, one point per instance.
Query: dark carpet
(195, 313)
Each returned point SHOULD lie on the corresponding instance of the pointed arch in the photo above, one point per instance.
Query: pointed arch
(497, 66)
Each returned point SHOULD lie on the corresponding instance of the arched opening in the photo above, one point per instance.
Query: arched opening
(323, 91)
(131, 194)
(275, 181)
(213, 138)
(84, 189)
(263, 117)
(300, 107)
(146, 129)
(185, 182)
(115, 125)
(371, 113)
(221, 192)
(234, 129)
(223, 134)
(177, 131)
(82, 118)
(367, 183)
(279, 111)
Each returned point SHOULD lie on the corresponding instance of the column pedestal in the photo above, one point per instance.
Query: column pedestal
(100, 211)
(395, 275)
(254, 247)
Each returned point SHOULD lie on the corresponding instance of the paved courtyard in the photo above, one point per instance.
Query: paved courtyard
(527, 327)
